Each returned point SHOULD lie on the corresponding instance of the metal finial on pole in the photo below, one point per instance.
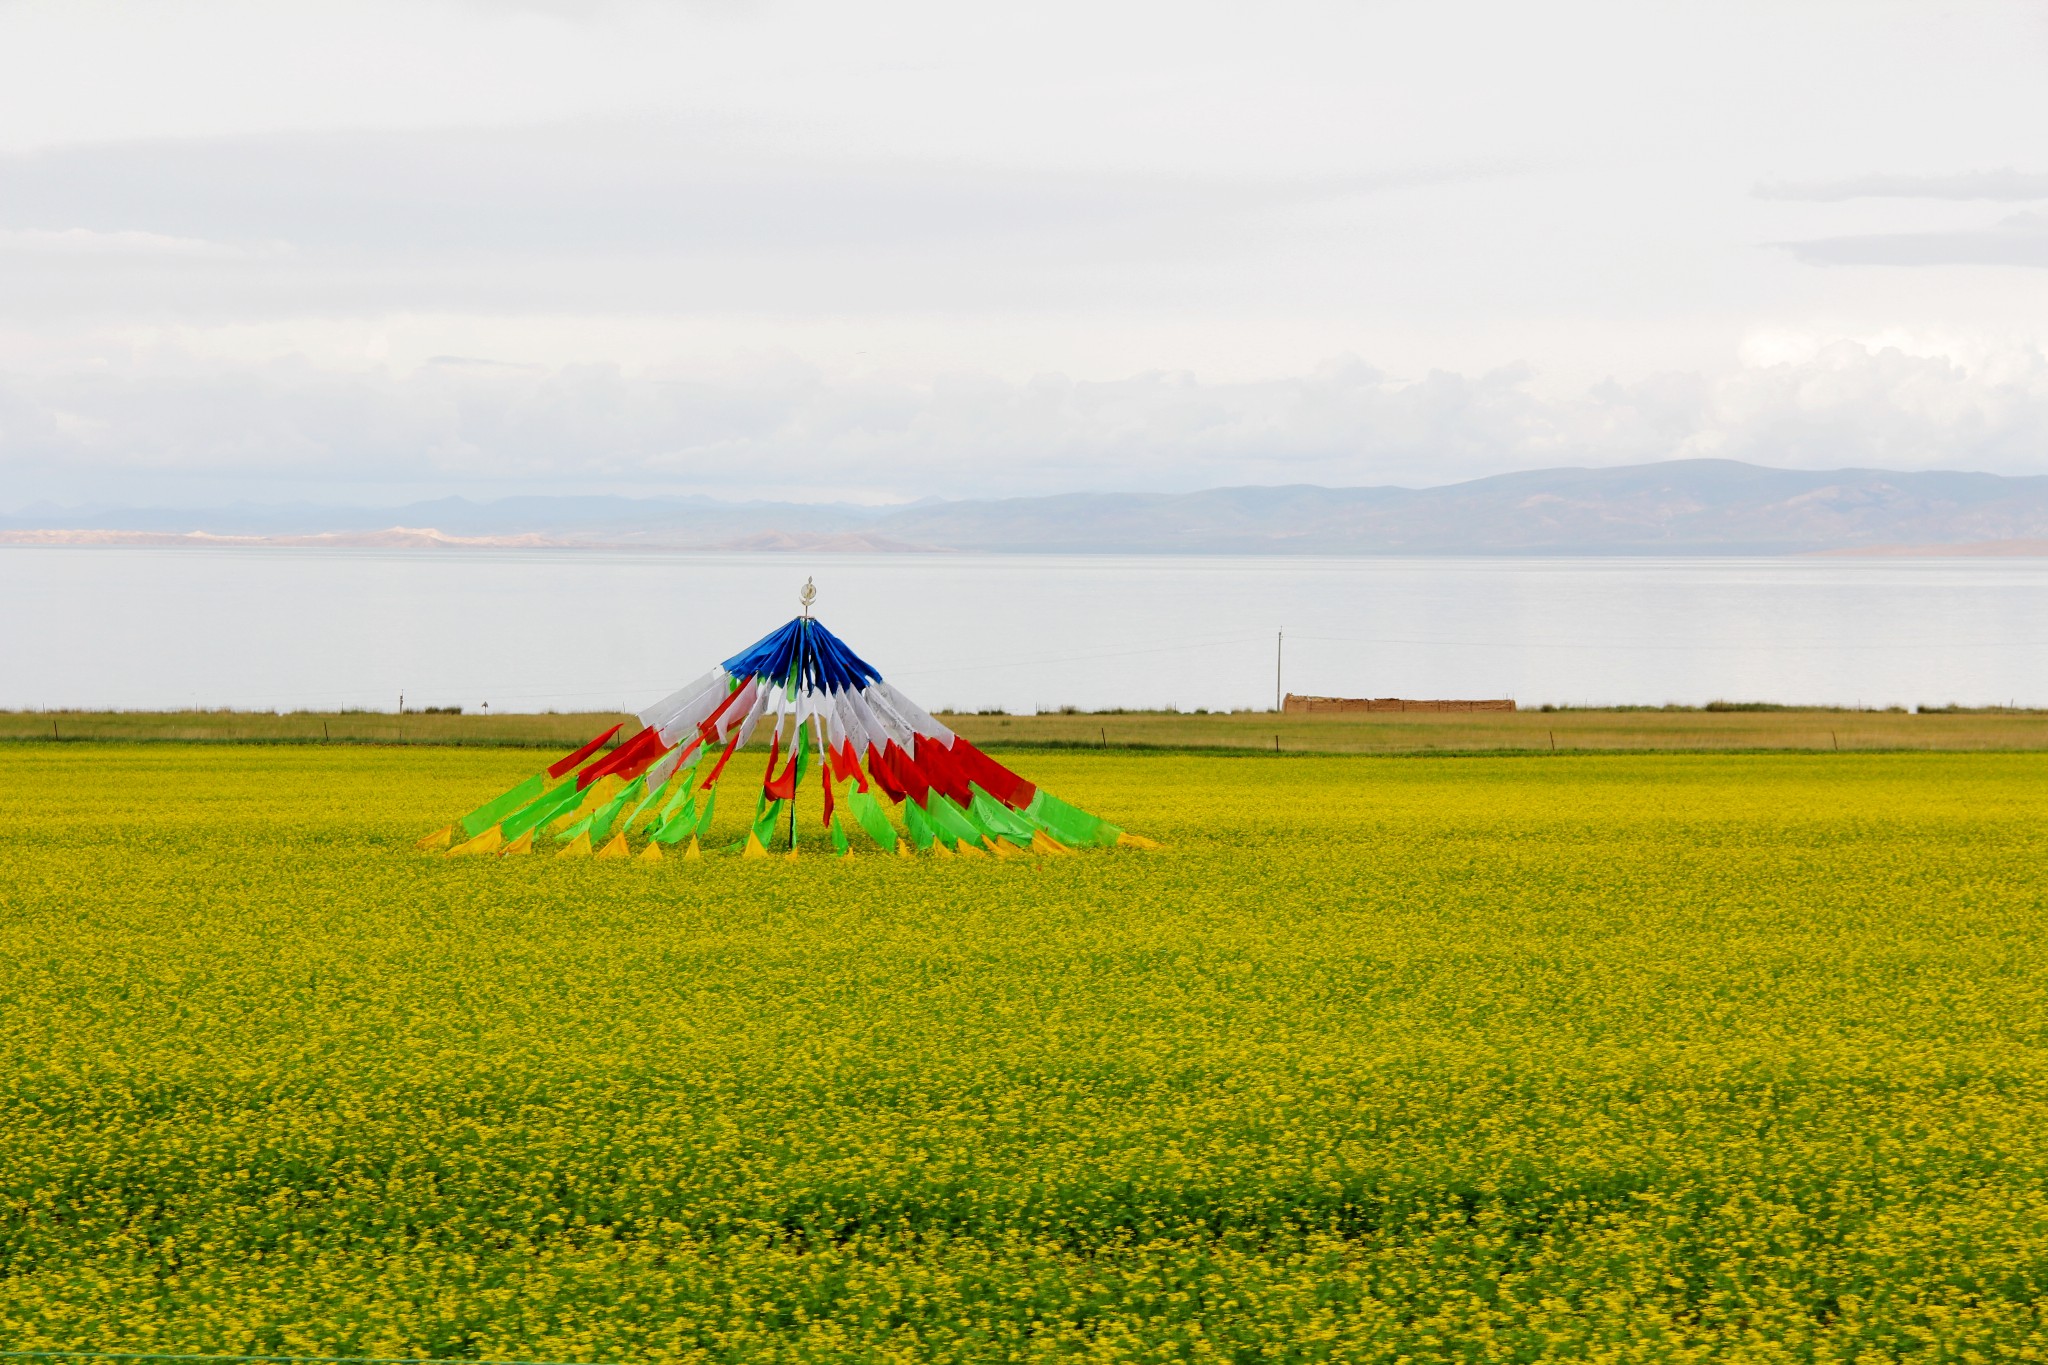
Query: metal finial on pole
(808, 595)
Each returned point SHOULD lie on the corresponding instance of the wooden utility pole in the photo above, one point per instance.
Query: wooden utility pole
(1279, 639)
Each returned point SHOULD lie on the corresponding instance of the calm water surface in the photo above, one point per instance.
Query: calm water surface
(529, 631)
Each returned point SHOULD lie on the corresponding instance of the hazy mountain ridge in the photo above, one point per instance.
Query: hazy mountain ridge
(1679, 507)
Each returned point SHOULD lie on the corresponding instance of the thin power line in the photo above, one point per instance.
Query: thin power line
(1771, 647)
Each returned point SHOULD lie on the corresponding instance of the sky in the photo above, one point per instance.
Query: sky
(361, 252)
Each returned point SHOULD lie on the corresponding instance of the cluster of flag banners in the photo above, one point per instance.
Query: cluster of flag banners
(845, 725)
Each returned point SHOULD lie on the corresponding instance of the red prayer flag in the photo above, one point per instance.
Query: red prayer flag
(723, 759)
(564, 765)
(783, 787)
(709, 727)
(880, 768)
(937, 765)
(647, 744)
(991, 776)
(647, 758)
(846, 765)
(905, 774)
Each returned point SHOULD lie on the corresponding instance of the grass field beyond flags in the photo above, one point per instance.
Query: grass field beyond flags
(1382, 732)
(1627, 1057)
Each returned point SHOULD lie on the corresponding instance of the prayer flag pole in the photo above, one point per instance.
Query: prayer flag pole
(807, 595)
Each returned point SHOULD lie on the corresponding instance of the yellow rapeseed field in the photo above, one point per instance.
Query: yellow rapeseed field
(1596, 1057)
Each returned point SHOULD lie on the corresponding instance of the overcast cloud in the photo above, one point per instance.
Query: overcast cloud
(2018, 240)
(363, 251)
(2006, 184)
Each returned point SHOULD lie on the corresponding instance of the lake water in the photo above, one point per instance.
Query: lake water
(530, 631)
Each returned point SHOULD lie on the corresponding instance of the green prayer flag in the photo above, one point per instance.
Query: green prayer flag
(873, 819)
(650, 799)
(491, 812)
(675, 827)
(997, 818)
(684, 775)
(803, 755)
(601, 819)
(1069, 824)
(921, 834)
(951, 821)
(542, 809)
(764, 821)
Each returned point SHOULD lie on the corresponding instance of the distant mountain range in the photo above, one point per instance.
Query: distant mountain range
(1683, 507)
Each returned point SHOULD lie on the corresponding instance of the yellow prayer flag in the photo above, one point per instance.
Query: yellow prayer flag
(487, 842)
